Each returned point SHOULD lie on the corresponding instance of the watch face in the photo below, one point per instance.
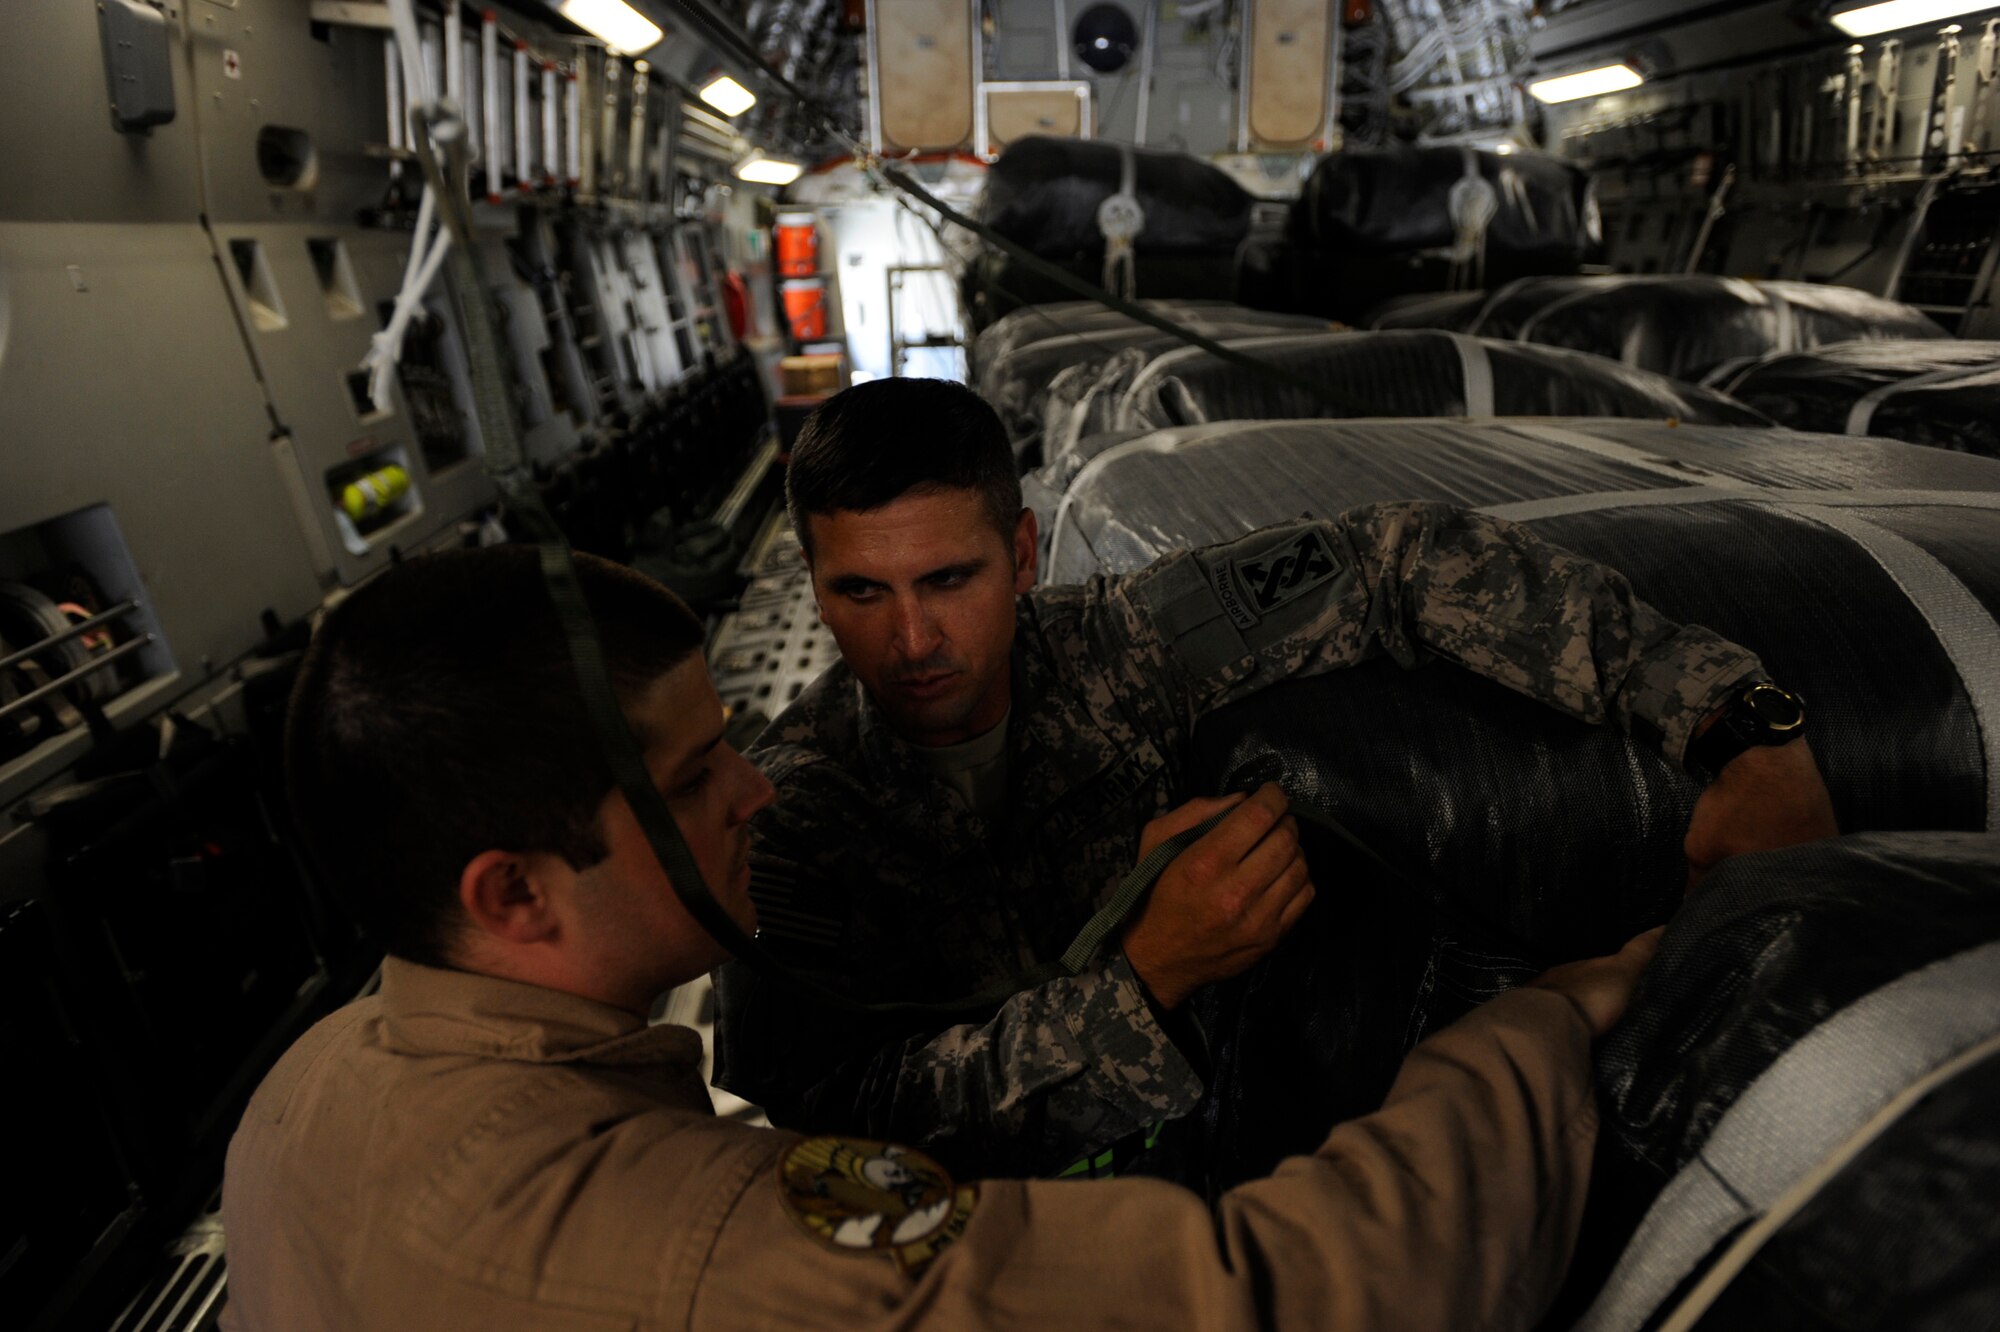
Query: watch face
(1775, 708)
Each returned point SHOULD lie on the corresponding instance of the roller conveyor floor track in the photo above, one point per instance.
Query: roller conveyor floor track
(773, 645)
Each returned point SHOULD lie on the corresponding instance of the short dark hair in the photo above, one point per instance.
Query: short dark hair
(876, 442)
(436, 716)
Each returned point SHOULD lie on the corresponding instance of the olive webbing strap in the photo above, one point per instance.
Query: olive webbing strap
(1132, 890)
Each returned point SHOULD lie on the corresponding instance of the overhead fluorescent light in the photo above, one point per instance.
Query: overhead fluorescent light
(622, 27)
(1590, 83)
(761, 170)
(728, 96)
(1895, 15)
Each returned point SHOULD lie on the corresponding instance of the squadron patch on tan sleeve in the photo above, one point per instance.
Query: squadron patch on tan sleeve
(856, 1196)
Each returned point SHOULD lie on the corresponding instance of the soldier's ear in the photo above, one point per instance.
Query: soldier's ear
(508, 896)
(1027, 551)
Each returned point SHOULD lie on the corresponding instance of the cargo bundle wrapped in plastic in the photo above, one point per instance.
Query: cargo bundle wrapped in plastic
(1375, 223)
(1020, 357)
(1865, 573)
(1802, 1107)
(1051, 195)
(1688, 327)
(1033, 323)
(1413, 373)
(1420, 372)
(1942, 393)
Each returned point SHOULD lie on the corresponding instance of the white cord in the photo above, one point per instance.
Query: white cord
(385, 349)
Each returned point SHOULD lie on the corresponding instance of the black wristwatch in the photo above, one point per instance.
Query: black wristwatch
(1759, 713)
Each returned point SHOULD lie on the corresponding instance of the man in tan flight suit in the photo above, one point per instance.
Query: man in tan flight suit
(498, 1139)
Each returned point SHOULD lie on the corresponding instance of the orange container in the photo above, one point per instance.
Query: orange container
(797, 245)
(805, 308)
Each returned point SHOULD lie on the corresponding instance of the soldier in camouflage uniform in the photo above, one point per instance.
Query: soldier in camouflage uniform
(1083, 699)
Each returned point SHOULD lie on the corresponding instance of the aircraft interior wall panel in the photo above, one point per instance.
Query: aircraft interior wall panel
(655, 342)
(293, 126)
(548, 433)
(309, 350)
(1290, 44)
(565, 374)
(123, 382)
(924, 54)
(60, 157)
(617, 345)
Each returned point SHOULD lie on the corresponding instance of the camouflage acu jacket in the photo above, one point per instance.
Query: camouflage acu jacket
(876, 875)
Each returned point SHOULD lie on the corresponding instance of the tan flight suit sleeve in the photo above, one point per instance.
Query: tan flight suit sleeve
(1455, 1206)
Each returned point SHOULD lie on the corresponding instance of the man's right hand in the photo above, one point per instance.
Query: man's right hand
(1601, 987)
(1225, 901)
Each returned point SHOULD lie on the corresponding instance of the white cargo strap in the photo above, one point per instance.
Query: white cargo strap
(1785, 336)
(1477, 368)
(1613, 451)
(1963, 626)
(1121, 219)
(1561, 506)
(1793, 1129)
(1861, 416)
(1472, 203)
(1163, 366)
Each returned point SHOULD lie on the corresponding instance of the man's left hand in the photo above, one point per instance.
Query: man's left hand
(1766, 797)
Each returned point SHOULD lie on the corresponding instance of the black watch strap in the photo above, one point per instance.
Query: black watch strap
(1759, 713)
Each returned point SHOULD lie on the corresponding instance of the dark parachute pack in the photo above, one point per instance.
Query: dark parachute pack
(1687, 327)
(1867, 576)
(1376, 223)
(1044, 194)
(1940, 392)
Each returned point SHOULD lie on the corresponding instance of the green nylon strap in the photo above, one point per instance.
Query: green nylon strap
(1131, 890)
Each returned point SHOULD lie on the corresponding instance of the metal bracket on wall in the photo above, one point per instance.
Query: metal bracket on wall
(138, 64)
(1888, 84)
(1985, 68)
(352, 13)
(1940, 135)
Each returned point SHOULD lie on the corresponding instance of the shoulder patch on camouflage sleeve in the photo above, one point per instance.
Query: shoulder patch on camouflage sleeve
(1289, 567)
(856, 1196)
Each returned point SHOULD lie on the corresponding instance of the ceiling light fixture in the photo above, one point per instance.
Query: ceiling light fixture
(623, 28)
(1590, 83)
(728, 96)
(1895, 15)
(761, 170)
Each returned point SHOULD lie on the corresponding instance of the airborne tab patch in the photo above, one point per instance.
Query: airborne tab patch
(1280, 573)
(857, 1196)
